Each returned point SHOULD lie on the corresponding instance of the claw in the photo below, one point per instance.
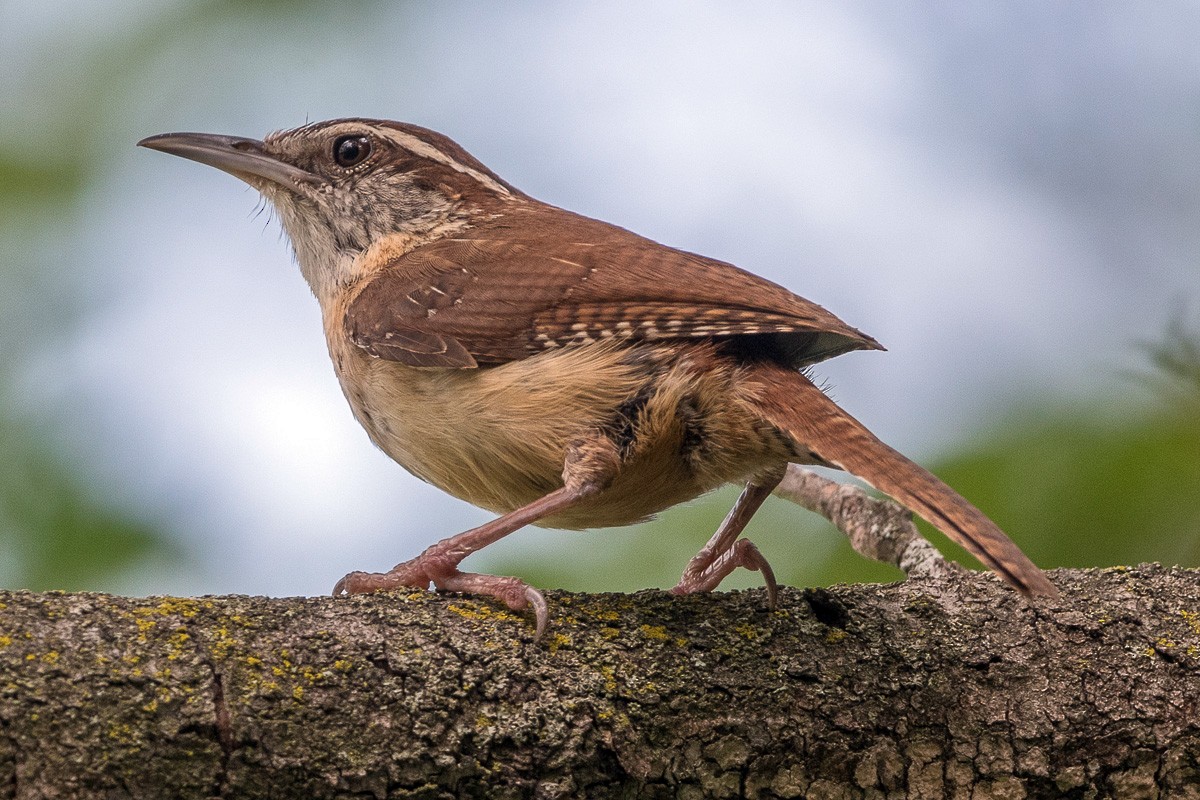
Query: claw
(713, 569)
(772, 588)
(351, 583)
(409, 574)
(541, 611)
(758, 562)
(356, 583)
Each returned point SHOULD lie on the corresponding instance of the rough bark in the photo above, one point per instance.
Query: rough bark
(929, 689)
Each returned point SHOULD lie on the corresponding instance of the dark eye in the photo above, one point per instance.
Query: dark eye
(351, 150)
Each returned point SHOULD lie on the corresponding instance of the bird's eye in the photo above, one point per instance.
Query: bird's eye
(351, 150)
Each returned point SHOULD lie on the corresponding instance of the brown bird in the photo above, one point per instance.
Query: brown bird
(556, 369)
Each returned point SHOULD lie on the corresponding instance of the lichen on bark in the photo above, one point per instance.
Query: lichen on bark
(949, 687)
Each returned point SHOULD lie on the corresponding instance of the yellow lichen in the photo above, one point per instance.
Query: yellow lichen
(835, 636)
(167, 606)
(184, 606)
(122, 732)
(610, 678)
(466, 612)
(747, 631)
(5, 641)
(224, 643)
(342, 665)
(298, 694)
(654, 632)
(178, 644)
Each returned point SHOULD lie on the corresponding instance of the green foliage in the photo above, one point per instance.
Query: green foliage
(28, 183)
(1081, 492)
(1176, 359)
(54, 532)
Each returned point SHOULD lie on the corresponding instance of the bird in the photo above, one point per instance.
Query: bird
(556, 369)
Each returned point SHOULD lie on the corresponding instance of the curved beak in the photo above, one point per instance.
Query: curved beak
(243, 158)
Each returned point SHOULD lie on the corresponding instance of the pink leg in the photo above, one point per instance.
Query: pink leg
(725, 552)
(589, 467)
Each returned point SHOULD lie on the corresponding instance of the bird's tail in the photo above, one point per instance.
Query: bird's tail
(793, 404)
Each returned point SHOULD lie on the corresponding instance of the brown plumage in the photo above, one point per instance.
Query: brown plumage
(790, 401)
(557, 369)
(539, 277)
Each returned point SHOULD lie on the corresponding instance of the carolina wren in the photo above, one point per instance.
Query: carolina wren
(555, 369)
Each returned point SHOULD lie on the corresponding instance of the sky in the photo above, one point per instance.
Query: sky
(1005, 195)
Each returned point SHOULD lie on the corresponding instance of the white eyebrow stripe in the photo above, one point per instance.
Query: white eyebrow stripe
(426, 150)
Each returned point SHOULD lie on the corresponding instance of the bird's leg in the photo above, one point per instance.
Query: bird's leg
(589, 467)
(725, 552)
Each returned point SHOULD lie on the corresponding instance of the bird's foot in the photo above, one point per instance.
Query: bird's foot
(513, 592)
(703, 575)
(410, 574)
(429, 568)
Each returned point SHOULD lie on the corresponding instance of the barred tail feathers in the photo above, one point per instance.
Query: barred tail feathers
(793, 404)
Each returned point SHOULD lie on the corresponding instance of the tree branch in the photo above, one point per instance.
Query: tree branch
(947, 687)
(878, 528)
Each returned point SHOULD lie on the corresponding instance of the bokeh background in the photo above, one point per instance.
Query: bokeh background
(1006, 195)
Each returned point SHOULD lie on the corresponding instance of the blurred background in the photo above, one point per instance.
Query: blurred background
(1005, 195)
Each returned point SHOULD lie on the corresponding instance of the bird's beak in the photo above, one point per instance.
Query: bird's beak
(243, 158)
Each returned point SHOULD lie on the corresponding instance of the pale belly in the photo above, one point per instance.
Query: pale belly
(497, 437)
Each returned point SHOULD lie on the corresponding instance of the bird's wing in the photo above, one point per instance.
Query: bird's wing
(520, 287)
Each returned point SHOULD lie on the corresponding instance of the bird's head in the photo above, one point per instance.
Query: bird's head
(343, 186)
